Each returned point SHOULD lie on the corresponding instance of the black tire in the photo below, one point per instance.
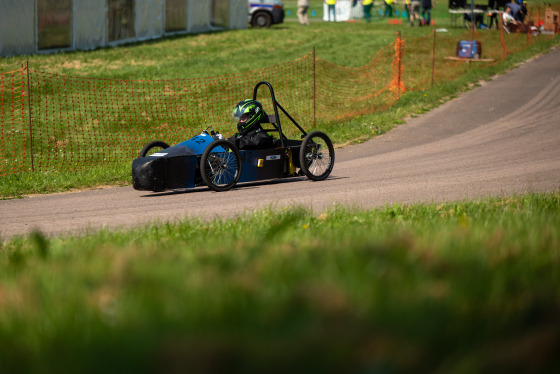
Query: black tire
(151, 146)
(220, 168)
(316, 156)
(261, 19)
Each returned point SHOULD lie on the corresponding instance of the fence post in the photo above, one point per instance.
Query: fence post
(398, 54)
(502, 38)
(314, 93)
(29, 110)
(473, 40)
(433, 57)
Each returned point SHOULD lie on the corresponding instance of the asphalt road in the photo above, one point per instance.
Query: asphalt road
(499, 139)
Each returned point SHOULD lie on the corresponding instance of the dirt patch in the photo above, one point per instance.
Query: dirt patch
(82, 66)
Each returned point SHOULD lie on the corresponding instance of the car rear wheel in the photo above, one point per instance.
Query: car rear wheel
(316, 156)
(262, 19)
(220, 165)
(153, 147)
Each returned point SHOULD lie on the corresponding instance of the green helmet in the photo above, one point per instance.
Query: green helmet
(248, 114)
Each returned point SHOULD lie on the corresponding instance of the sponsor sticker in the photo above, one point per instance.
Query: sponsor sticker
(157, 154)
(273, 157)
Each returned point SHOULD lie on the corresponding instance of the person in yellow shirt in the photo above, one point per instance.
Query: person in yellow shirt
(406, 7)
(368, 4)
(389, 8)
(331, 8)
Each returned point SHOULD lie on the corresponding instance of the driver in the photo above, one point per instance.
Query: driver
(249, 115)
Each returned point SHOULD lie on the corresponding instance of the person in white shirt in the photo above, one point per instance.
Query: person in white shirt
(303, 6)
(507, 17)
(512, 18)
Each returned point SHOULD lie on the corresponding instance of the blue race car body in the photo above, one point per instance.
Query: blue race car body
(178, 167)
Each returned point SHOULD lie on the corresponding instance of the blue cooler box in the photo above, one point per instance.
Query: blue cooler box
(469, 49)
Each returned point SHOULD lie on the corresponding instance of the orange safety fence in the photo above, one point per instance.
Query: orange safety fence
(432, 59)
(343, 92)
(14, 142)
(52, 122)
(79, 122)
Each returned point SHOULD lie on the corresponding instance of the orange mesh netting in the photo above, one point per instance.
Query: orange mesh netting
(343, 92)
(13, 138)
(79, 121)
(82, 122)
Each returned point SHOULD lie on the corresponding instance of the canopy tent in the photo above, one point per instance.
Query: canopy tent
(36, 26)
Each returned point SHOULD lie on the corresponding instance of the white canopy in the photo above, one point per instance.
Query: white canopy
(36, 26)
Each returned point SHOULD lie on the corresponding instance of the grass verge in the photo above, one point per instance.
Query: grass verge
(450, 288)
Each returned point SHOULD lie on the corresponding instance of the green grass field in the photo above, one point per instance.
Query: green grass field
(342, 133)
(468, 287)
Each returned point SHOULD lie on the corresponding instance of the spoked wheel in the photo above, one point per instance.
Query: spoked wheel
(316, 156)
(220, 165)
(153, 147)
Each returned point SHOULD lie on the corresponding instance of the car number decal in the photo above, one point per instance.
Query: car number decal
(246, 157)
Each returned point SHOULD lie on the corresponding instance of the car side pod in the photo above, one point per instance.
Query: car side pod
(148, 174)
(164, 172)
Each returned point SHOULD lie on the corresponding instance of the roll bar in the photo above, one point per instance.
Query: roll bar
(276, 120)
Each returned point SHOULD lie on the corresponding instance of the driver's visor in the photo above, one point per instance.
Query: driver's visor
(242, 118)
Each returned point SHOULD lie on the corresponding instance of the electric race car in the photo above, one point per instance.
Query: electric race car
(209, 159)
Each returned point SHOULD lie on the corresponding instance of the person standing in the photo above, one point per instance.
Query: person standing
(303, 6)
(493, 13)
(426, 12)
(331, 8)
(415, 12)
(368, 4)
(406, 7)
(517, 11)
(388, 8)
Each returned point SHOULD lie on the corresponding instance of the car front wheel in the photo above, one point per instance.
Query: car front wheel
(220, 165)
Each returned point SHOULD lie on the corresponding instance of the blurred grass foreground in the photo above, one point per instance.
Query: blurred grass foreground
(451, 288)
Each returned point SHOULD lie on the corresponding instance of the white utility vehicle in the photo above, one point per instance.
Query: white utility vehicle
(263, 13)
